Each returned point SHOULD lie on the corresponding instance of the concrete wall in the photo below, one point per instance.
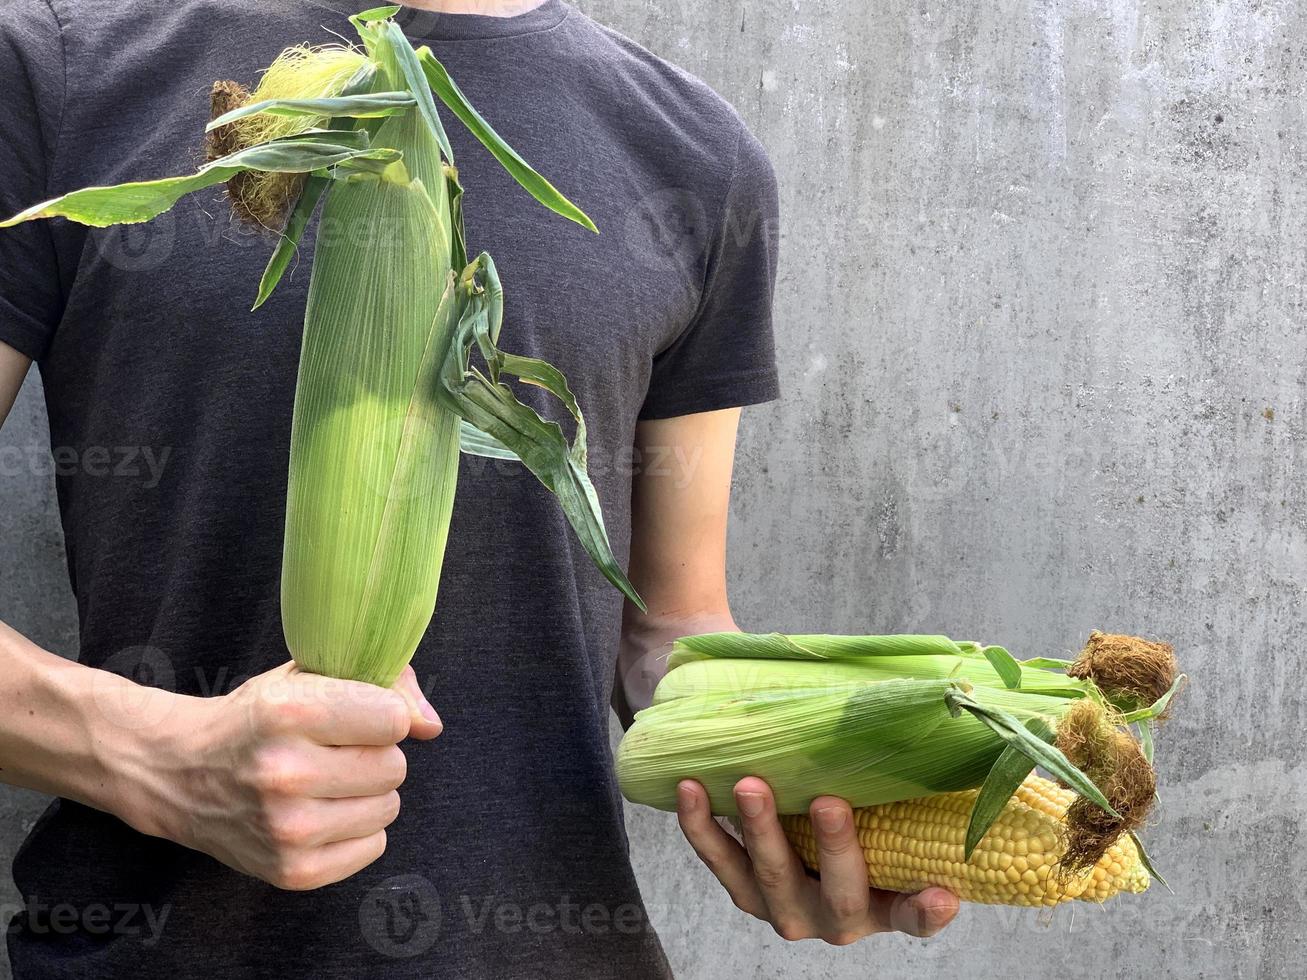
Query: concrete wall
(1041, 327)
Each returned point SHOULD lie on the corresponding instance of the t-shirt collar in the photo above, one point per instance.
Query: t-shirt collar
(436, 26)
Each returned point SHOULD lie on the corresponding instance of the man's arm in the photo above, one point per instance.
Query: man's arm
(13, 369)
(680, 498)
(291, 778)
(680, 502)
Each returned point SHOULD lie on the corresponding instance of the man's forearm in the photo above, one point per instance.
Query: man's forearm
(642, 660)
(66, 729)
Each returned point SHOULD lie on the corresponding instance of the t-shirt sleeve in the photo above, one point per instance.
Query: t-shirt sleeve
(726, 356)
(32, 83)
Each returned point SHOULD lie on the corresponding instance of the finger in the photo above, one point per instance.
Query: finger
(361, 816)
(342, 771)
(845, 895)
(922, 914)
(426, 724)
(724, 857)
(335, 712)
(335, 862)
(786, 889)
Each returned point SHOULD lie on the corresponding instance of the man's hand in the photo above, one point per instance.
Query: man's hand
(766, 878)
(678, 562)
(291, 778)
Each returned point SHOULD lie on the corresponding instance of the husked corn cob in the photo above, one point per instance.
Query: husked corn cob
(914, 843)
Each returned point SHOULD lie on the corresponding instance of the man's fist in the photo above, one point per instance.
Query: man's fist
(291, 778)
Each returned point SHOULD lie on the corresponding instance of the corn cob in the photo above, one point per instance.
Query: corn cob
(386, 394)
(878, 720)
(915, 843)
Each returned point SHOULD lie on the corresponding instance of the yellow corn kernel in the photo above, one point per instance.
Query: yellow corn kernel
(919, 843)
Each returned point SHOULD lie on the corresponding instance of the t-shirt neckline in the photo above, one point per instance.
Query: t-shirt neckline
(433, 25)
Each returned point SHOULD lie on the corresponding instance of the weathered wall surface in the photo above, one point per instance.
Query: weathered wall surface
(1041, 325)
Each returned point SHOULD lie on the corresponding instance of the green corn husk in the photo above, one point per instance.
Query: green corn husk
(875, 742)
(879, 719)
(374, 459)
(387, 394)
(726, 663)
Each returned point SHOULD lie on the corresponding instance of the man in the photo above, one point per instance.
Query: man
(229, 815)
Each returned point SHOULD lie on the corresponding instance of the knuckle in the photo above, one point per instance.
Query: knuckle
(275, 772)
(284, 715)
(711, 859)
(703, 844)
(791, 930)
(770, 876)
(295, 875)
(746, 906)
(289, 829)
(842, 908)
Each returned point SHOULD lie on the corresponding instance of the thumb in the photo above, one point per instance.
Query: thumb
(426, 723)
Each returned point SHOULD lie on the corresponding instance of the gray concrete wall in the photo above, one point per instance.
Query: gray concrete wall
(1041, 325)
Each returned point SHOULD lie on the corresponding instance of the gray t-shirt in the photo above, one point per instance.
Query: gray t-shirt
(170, 406)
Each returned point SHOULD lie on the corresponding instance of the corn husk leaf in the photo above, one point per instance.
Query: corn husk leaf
(1047, 663)
(368, 106)
(490, 406)
(375, 14)
(824, 647)
(133, 203)
(725, 663)
(1159, 706)
(1145, 729)
(402, 57)
(473, 442)
(1015, 733)
(861, 741)
(373, 455)
(1009, 772)
(291, 235)
(311, 194)
(455, 191)
(1147, 862)
(521, 171)
(1004, 664)
(735, 676)
(812, 742)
